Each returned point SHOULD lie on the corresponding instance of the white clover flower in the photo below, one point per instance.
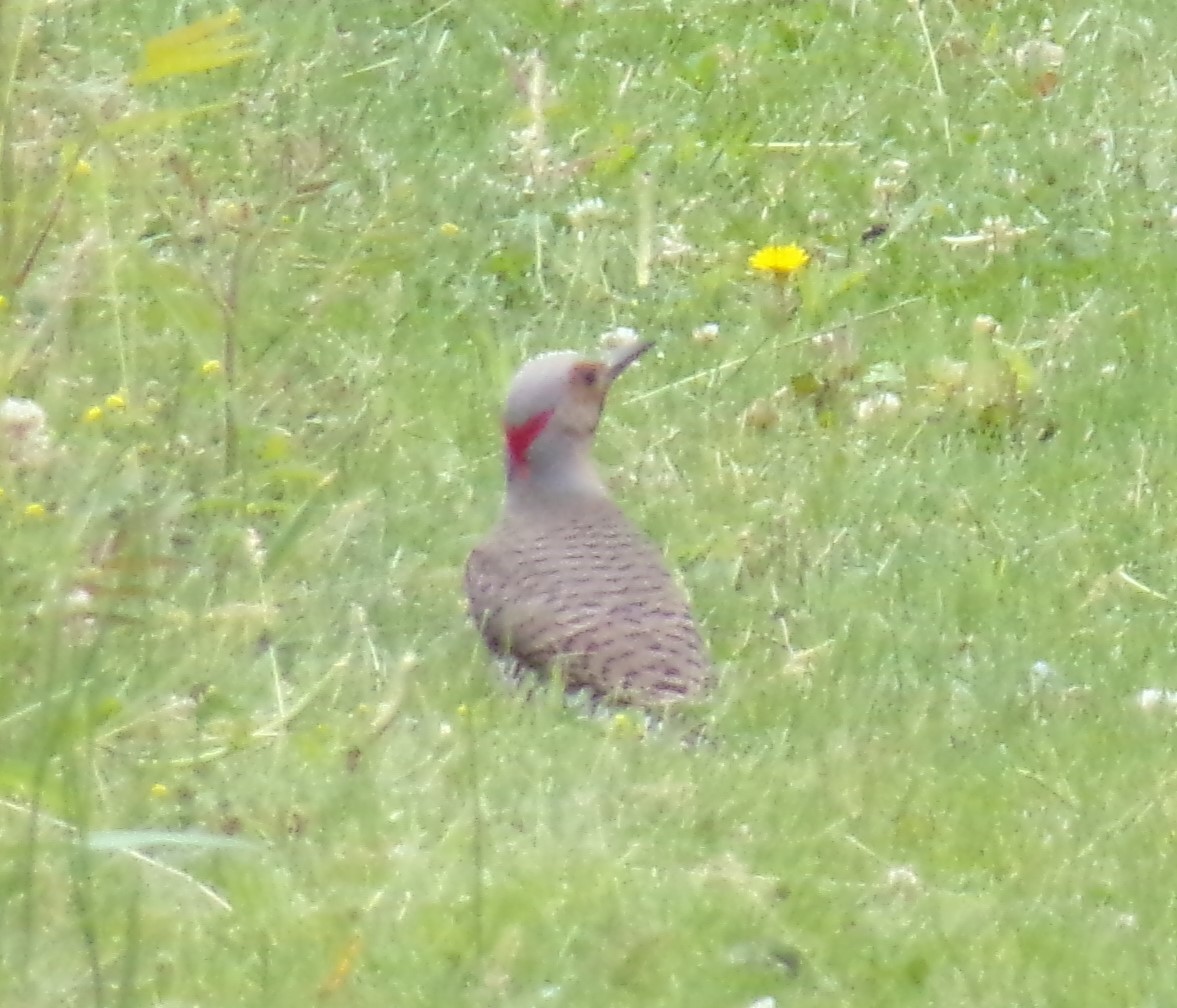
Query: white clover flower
(1039, 55)
(1152, 698)
(587, 212)
(903, 877)
(673, 246)
(986, 325)
(878, 405)
(619, 336)
(997, 234)
(24, 433)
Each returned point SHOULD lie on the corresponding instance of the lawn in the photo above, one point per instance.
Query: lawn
(262, 288)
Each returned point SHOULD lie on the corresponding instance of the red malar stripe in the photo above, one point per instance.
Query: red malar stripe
(521, 438)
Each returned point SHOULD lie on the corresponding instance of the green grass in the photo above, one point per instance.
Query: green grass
(251, 753)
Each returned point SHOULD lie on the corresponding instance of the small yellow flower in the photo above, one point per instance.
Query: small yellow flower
(35, 511)
(463, 711)
(449, 229)
(3, 302)
(159, 790)
(82, 169)
(623, 725)
(116, 401)
(779, 260)
(210, 368)
(93, 414)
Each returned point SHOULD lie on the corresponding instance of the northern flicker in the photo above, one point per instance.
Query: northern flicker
(564, 581)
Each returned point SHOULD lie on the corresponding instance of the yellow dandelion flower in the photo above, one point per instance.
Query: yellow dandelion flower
(211, 367)
(159, 790)
(449, 229)
(463, 711)
(93, 414)
(779, 260)
(35, 511)
(3, 302)
(82, 169)
(116, 401)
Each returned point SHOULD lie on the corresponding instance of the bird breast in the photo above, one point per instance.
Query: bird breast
(581, 589)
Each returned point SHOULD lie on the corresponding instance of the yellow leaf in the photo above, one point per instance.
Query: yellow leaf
(992, 41)
(207, 44)
(70, 153)
(1020, 369)
(275, 447)
(806, 385)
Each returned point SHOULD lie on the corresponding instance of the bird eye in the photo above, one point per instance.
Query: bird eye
(587, 376)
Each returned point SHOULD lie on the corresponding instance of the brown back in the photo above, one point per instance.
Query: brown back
(578, 587)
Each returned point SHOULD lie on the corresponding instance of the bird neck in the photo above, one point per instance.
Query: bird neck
(569, 475)
(547, 460)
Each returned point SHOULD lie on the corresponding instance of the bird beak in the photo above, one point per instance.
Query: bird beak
(623, 356)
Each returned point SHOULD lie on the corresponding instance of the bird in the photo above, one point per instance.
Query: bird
(564, 583)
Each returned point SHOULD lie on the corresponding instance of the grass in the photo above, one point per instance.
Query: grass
(253, 753)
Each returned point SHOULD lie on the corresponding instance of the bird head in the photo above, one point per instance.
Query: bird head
(553, 407)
